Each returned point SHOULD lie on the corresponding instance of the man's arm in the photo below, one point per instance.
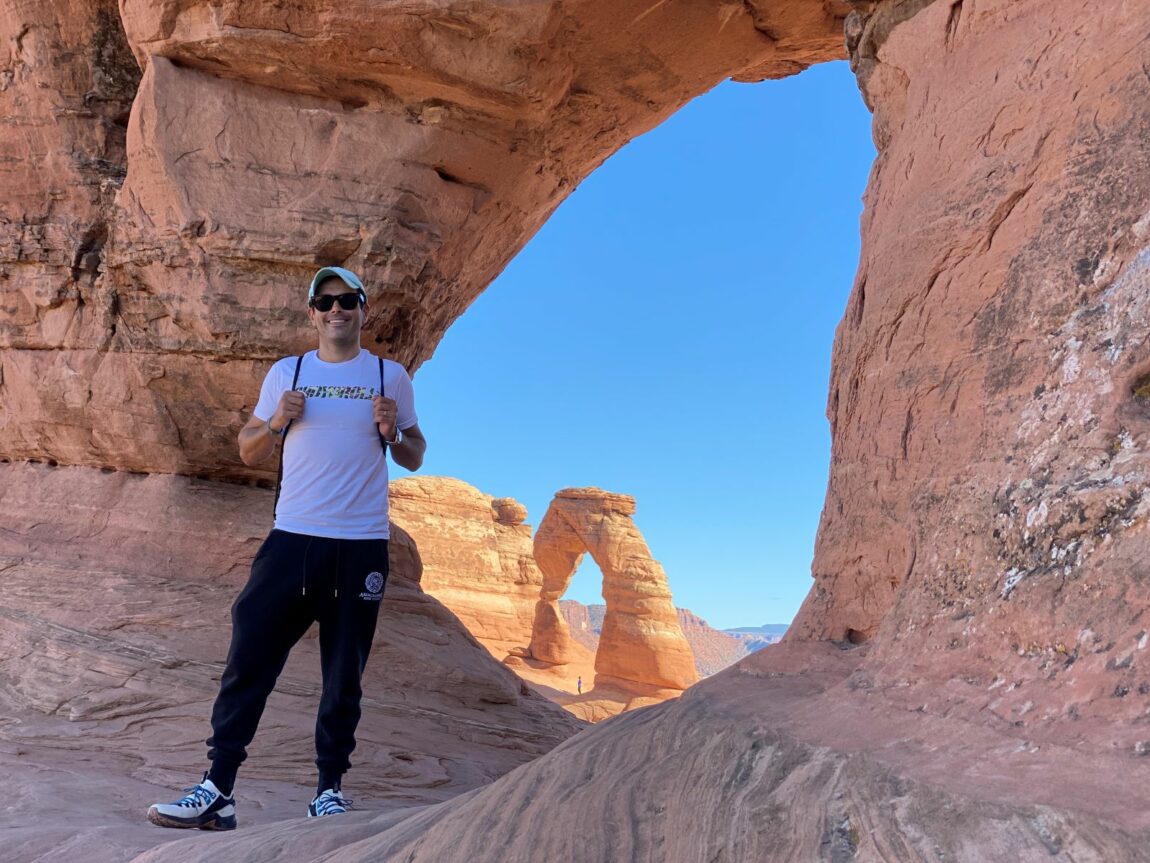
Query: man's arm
(409, 453)
(258, 441)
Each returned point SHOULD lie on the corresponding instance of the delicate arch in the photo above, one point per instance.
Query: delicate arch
(642, 646)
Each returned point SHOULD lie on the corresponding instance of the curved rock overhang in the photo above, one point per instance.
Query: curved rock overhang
(152, 276)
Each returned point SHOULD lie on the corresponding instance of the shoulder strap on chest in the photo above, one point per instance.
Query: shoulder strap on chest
(382, 392)
(287, 428)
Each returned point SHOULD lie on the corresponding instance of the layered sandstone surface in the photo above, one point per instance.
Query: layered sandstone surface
(641, 645)
(114, 627)
(756, 763)
(477, 556)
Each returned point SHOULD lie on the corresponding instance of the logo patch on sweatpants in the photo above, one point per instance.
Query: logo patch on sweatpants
(374, 585)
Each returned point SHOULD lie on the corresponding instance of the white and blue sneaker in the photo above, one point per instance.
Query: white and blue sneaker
(203, 806)
(330, 802)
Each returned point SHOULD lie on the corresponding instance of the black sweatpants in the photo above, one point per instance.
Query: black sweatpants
(295, 580)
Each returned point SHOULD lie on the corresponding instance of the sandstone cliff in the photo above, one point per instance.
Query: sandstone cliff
(477, 556)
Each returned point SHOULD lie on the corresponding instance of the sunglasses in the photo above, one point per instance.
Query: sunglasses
(347, 302)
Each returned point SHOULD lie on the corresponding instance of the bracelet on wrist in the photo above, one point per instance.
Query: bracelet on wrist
(272, 431)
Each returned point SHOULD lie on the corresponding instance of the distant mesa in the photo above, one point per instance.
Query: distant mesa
(714, 649)
(758, 637)
(775, 630)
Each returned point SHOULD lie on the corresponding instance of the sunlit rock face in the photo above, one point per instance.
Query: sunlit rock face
(476, 556)
(151, 267)
(985, 517)
(641, 646)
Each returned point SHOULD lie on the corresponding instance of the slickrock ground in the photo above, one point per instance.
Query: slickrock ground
(720, 776)
(113, 631)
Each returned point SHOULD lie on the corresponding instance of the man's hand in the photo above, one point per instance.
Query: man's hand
(290, 408)
(258, 438)
(409, 454)
(383, 412)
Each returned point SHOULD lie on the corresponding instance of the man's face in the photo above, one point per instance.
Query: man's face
(338, 325)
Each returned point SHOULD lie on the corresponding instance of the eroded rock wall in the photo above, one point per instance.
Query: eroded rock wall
(476, 553)
(985, 518)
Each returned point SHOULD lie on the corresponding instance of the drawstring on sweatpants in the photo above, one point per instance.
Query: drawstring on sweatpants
(307, 548)
(338, 563)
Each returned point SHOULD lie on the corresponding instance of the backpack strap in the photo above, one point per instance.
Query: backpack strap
(382, 442)
(283, 437)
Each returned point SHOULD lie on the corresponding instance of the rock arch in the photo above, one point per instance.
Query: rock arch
(642, 647)
(986, 519)
(162, 259)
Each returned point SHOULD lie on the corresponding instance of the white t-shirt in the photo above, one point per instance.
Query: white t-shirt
(335, 467)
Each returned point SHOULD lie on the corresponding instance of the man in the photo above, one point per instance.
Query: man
(326, 558)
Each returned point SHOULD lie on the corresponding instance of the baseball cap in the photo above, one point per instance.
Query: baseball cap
(346, 276)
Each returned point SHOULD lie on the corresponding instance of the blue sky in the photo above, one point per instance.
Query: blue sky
(667, 334)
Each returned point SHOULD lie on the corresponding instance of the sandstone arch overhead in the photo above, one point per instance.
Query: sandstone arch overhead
(152, 266)
(642, 647)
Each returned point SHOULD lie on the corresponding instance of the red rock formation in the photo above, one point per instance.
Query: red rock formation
(985, 518)
(641, 646)
(113, 630)
(713, 649)
(149, 282)
(476, 554)
(581, 625)
(477, 559)
(985, 521)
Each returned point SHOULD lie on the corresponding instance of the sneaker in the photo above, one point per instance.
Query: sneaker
(203, 806)
(330, 802)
